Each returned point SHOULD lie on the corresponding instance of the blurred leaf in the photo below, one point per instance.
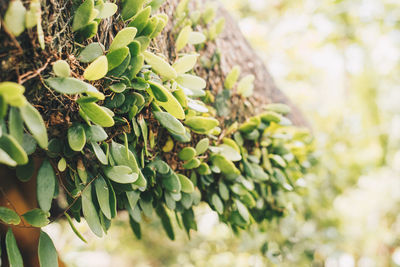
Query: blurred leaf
(47, 252)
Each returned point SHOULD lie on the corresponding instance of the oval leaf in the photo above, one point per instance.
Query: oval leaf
(97, 114)
(97, 69)
(13, 253)
(90, 212)
(76, 137)
(185, 64)
(46, 181)
(9, 216)
(121, 174)
(123, 38)
(37, 217)
(159, 65)
(47, 252)
(34, 121)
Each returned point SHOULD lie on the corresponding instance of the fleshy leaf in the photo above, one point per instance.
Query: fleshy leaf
(9, 216)
(185, 63)
(97, 69)
(47, 252)
(159, 65)
(46, 181)
(34, 121)
(123, 38)
(37, 217)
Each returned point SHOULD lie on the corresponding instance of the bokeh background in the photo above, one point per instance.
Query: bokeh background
(339, 61)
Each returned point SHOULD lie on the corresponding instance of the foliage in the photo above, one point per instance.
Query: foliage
(145, 137)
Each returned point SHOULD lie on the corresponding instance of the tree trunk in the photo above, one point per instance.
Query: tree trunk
(231, 46)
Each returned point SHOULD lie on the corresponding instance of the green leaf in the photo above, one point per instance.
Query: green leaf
(226, 166)
(123, 38)
(67, 85)
(203, 169)
(76, 137)
(171, 182)
(130, 8)
(187, 153)
(34, 121)
(183, 38)
(162, 20)
(13, 253)
(47, 252)
(62, 165)
(192, 164)
(9, 216)
(46, 181)
(202, 146)
(186, 183)
(118, 87)
(13, 93)
(116, 57)
(144, 42)
(227, 151)
(25, 172)
(134, 48)
(133, 197)
(150, 27)
(83, 15)
(108, 10)
(97, 69)
(95, 133)
(61, 68)
(6, 159)
(140, 20)
(97, 114)
(165, 221)
(169, 122)
(159, 92)
(101, 156)
(135, 65)
(87, 31)
(37, 217)
(14, 18)
(243, 212)
(232, 77)
(103, 196)
(91, 52)
(270, 116)
(74, 228)
(223, 191)
(191, 81)
(196, 38)
(159, 65)
(29, 144)
(121, 174)
(201, 124)
(16, 125)
(90, 213)
(10, 146)
(217, 203)
(185, 63)
(246, 85)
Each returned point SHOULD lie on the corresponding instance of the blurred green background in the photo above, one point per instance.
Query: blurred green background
(339, 62)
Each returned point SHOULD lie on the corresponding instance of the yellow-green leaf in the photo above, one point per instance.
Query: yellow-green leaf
(83, 15)
(232, 77)
(123, 38)
(97, 69)
(191, 81)
(76, 137)
(185, 64)
(159, 65)
(97, 114)
(183, 38)
(61, 68)
(196, 38)
(14, 18)
(13, 149)
(201, 124)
